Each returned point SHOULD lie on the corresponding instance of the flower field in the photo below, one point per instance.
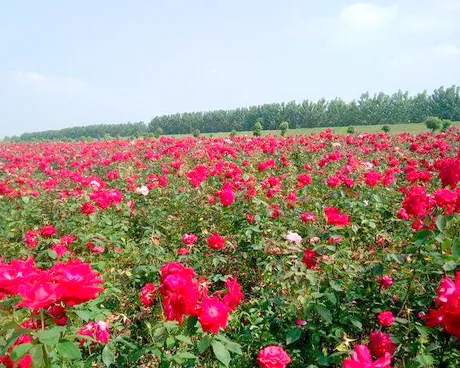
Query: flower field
(307, 251)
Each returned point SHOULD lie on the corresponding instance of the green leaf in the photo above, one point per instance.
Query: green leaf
(51, 336)
(456, 247)
(234, 347)
(68, 350)
(20, 350)
(311, 276)
(108, 355)
(186, 355)
(377, 270)
(335, 285)
(425, 360)
(324, 312)
(204, 343)
(170, 342)
(221, 352)
(293, 335)
(441, 223)
(184, 339)
(85, 315)
(449, 266)
(332, 298)
(357, 323)
(36, 354)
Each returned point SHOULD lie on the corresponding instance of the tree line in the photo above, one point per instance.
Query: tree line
(380, 108)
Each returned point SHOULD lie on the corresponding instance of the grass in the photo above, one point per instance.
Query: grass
(395, 128)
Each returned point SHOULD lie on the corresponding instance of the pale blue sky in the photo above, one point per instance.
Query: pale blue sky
(67, 63)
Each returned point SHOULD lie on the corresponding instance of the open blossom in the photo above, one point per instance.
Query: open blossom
(386, 318)
(386, 281)
(226, 195)
(215, 241)
(213, 315)
(417, 202)
(31, 238)
(361, 358)
(234, 293)
(179, 291)
(79, 282)
(310, 258)
(293, 237)
(143, 190)
(48, 230)
(447, 314)
(183, 251)
(381, 344)
(335, 217)
(99, 331)
(307, 217)
(372, 178)
(147, 294)
(39, 294)
(87, 208)
(189, 239)
(17, 273)
(273, 356)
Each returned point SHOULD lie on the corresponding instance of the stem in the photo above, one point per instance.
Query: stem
(42, 319)
(409, 286)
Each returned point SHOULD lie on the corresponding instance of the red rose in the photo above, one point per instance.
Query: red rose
(273, 357)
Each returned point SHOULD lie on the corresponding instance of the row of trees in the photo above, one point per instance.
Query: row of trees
(380, 108)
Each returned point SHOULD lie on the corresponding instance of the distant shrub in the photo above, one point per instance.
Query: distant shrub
(233, 133)
(350, 129)
(257, 129)
(433, 123)
(158, 132)
(386, 128)
(196, 133)
(284, 126)
(446, 124)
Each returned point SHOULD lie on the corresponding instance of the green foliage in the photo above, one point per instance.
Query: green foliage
(445, 125)
(386, 128)
(158, 132)
(433, 123)
(351, 129)
(233, 133)
(284, 126)
(368, 109)
(257, 129)
(196, 133)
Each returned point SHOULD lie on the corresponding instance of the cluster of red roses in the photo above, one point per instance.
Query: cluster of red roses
(71, 283)
(51, 290)
(419, 205)
(183, 295)
(447, 313)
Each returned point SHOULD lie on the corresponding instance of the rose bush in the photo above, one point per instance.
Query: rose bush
(308, 251)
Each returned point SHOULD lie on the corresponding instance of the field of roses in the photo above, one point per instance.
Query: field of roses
(307, 251)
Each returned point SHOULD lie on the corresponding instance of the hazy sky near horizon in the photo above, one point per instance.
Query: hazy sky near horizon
(68, 63)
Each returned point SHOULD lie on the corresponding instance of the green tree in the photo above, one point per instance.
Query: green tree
(158, 132)
(386, 128)
(351, 129)
(284, 126)
(446, 124)
(433, 123)
(257, 129)
(196, 133)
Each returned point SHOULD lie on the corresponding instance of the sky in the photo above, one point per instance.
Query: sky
(69, 63)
